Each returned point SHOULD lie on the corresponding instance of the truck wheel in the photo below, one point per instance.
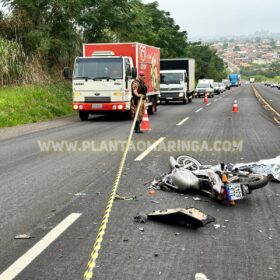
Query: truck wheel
(83, 115)
(190, 99)
(185, 101)
(153, 108)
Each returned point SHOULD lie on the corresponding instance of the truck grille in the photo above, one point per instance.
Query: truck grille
(169, 94)
(97, 99)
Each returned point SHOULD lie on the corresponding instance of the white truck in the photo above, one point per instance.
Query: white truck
(252, 80)
(204, 86)
(177, 79)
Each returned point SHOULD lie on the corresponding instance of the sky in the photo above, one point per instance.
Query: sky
(202, 18)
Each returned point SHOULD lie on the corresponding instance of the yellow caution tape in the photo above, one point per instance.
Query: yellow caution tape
(101, 232)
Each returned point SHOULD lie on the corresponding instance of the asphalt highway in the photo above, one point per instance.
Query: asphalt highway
(60, 196)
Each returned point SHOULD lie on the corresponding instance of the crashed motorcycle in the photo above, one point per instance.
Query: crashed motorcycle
(222, 182)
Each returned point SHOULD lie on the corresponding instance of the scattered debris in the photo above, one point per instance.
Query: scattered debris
(270, 238)
(154, 201)
(80, 194)
(151, 192)
(23, 236)
(185, 216)
(140, 218)
(125, 240)
(141, 229)
(156, 255)
(270, 268)
(117, 196)
(196, 198)
(216, 226)
(226, 221)
(177, 233)
(260, 230)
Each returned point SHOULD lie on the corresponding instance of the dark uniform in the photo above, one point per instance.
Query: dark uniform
(139, 86)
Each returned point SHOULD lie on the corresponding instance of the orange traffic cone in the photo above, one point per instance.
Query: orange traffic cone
(235, 107)
(205, 100)
(145, 124)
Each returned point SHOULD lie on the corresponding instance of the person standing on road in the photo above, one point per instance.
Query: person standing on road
(139, 89)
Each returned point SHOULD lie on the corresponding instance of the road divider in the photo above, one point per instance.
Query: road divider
(22, 262)
(184, 120)
(266, 105)
(145, 153)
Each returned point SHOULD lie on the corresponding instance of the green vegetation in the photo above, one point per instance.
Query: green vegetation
(269, 73)
(32, 103)
(51, 32)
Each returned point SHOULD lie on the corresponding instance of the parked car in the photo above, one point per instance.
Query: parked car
(274, 85)
(216, 88)
(226, 83)
(222, 87)
(204, 86)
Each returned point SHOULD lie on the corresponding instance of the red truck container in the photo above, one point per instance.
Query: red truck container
(102, 78)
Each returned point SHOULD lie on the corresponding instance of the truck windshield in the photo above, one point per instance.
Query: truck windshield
(98, 68)
(203, 85)
(171, 78)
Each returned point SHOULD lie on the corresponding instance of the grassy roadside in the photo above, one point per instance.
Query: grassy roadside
(33, 103)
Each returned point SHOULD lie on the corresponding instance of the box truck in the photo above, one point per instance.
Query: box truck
(177, 79)
(235, 80)
(102, 78)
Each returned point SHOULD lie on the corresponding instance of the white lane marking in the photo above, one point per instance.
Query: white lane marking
(181, 122)
(145, 153)
(208, 104)
(198, 110)
(22, 262)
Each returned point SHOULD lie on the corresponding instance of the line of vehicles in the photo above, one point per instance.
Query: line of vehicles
(102, 79)
(272, 84)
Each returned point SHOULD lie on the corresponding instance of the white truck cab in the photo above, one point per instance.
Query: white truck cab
(173, 85)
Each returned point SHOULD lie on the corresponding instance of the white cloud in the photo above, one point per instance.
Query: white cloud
(221, 17)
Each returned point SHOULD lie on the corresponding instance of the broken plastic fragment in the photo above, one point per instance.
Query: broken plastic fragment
(185, 216)
(140, 218)
(216, 226)
(80, 194)
(23, 236)
(196, 198)
(117, 196)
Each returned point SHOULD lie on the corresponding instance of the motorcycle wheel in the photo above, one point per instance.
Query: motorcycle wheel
(188, 162)
(255, 181)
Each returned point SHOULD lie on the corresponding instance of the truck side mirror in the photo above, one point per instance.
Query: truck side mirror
(134, 72)
(66, 73)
